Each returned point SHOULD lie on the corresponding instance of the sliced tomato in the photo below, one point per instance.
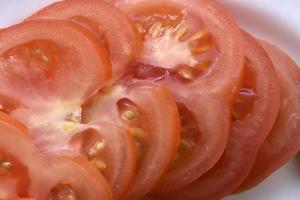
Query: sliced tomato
(40, 62)
(150, 113)
(254, 114)
(111, 150)
(196, 48)
(8, 119)
(14, 157)
(67, 179)
(109, 25)
(45, 76)
(20, 163)
(284, 140)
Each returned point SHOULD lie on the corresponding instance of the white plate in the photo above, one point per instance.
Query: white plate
(275, 20)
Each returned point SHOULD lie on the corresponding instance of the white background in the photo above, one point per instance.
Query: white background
(275, 20)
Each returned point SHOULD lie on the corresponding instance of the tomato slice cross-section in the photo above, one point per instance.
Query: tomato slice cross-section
(111, 27)
(254, 113)
(196, 48)
(45, 76)
(283, 142)
(150, 113)
(28, 173)
(111, 150)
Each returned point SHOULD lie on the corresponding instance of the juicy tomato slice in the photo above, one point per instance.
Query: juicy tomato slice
(283, 142)
(45, 76)
(259, 98)
(109, 25)
(150, 113)
(8, 119)
(14, 173)
(202, 64)
(69, 179)
(39, 62)
(63, 177)
(111, 150)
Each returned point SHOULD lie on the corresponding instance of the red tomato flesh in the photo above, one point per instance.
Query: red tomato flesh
(283, 142)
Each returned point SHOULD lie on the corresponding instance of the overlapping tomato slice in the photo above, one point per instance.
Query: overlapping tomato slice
(284, 141)
(150, 113)
(57, 178)
(45, 76)
(196, 48)
(165, 96)
(111, 150)
(254, 114)
(111, 27)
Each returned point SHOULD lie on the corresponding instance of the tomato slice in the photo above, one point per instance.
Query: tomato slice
(66, 179)
(45, 76)
(284, 140)
(8, 119)
(40, 62)
(19, 167)
(202, 63)
(150, 113)
(13, 173)
(15, 176)
(109, 25)
(254, 114)
(111, 150)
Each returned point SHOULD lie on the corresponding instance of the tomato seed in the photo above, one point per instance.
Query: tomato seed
(128, 115)
(99, 164)
(96, 148)
(6, 165)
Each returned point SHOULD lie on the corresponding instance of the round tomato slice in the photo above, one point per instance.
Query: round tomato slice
(14, 173)
(111, 150)
(63, 177)
(37, 62)
(67, 179)
(150, 113)
(196, 48)
(283, 142)
(8, 119)
(45, 76)
(109, 25)
(254, 113)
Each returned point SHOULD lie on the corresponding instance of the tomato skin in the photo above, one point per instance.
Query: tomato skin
(246, 136)
(283, 142)
(157, 117)
(122, 39)
(211, 94)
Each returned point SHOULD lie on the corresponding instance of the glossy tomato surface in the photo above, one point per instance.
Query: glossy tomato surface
(202, 64)
(109, 25)
(150, 113)
(111, 150)
(254, 113)
(63, 177)
(45, 76)
(283, 141)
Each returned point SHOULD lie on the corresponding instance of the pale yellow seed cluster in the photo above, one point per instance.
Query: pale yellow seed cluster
(96, 148)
